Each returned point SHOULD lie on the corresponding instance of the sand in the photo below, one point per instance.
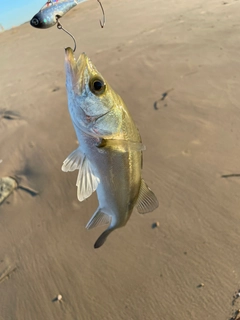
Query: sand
(176, 65)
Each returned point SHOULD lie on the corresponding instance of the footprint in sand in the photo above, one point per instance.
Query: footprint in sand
(188, 151)
(7, 268)
(9, 184)
(9, 115)
(162, 99)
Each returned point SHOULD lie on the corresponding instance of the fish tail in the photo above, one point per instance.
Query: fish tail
(100, 241)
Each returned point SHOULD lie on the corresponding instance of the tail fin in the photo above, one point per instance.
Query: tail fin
(100, 241)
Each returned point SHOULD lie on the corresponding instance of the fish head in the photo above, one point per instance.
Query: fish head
(93, 104)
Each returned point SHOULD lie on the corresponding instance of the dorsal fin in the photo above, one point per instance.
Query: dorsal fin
(147, 201)
(87, 182)
(98, 219)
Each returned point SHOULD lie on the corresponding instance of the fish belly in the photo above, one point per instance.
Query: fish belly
(120, 178)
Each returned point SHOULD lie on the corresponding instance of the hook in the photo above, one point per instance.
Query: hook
(102, 24)
(60, 27)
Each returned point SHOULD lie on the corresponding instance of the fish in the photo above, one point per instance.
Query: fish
(50, 13)
(109, 157)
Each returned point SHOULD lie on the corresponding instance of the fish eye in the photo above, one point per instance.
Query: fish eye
(97, 86)
(35, 21)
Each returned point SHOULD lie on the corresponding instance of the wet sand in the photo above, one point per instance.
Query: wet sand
(176, 65)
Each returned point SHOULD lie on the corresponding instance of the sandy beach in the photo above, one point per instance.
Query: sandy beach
(176, 65)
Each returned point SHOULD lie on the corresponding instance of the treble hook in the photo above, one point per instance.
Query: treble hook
(60, 27)
(102, 24)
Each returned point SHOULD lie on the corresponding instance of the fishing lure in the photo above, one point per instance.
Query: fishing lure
(53, 10)
(50, 13)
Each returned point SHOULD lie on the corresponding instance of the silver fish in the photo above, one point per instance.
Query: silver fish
(52, 11)
(109, 158)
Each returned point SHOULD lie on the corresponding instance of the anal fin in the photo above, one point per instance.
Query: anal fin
(98, 219)
(147, 201)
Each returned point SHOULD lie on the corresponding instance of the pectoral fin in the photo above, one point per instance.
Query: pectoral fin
(73, 161)
(87, 182)
(147, 201)
(98, 219)
(121, 145)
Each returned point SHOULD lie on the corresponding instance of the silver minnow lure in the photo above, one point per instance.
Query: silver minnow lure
(109, 156)
(50, 13)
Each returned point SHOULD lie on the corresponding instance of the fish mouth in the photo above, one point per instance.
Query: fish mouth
(69, 55)
(70, 60)
(78, 71)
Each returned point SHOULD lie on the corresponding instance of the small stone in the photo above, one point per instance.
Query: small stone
(201, 285)
(59, 297)
(56, 89)
(155, 224)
